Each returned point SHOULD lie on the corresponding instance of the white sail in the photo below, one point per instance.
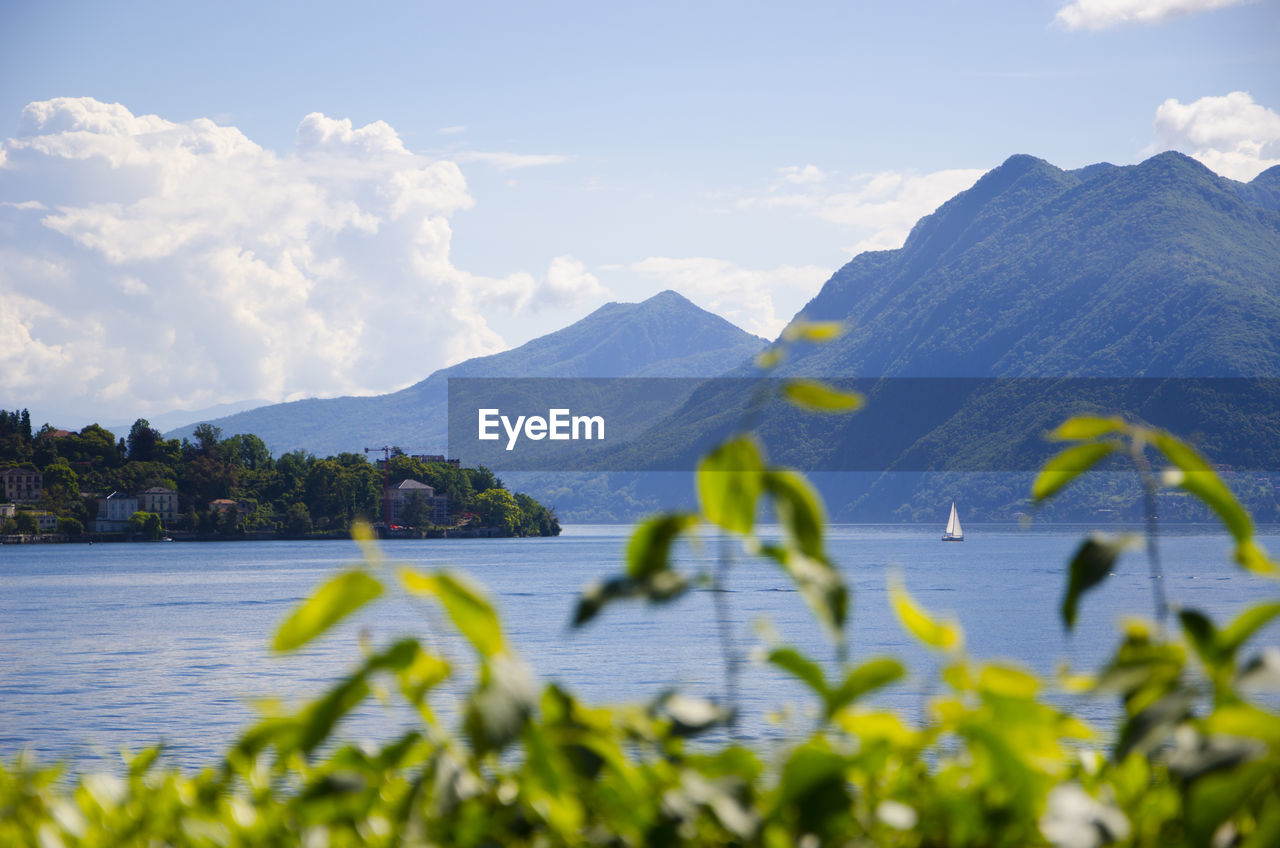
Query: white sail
(953, 530)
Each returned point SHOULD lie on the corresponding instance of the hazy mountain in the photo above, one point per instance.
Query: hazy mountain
(1158, 269)
(1161, 269)
(178, 417)
(664, 336)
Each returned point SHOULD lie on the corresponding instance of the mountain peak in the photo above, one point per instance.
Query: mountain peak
(1018, 184)
(1269, 178)
(668, 296)
(663, 336)
(1173, 161)
(1020, 163)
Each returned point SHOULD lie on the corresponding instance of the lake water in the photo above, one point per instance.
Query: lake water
(113, 645)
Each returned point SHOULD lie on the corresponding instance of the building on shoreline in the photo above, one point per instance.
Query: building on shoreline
(401, 493)
(163, 502)
(22, 484)
(114, 512)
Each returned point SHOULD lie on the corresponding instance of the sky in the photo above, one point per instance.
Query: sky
(205, 204)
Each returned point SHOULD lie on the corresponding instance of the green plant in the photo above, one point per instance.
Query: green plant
(994, 760)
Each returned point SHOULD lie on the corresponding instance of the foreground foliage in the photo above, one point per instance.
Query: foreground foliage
(1194, 759)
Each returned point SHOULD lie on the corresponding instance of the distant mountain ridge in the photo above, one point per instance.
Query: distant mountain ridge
(663, 336)
(1157, 269)
(1161, 269)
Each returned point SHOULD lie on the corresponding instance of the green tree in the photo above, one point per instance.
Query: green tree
(482, 479)
(536, 519)
(145, 525)
(297, 521)
(208, 438)
(143, 441)
(70, 527)
(60, 480)
(416, 512)
(25, 522)
(93, 448)
(497, 508)
(247, 451)
(61, 490)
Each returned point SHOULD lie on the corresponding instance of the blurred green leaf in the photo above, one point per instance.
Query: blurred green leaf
(729, 481)
(943, 635)
(1246, 624)
(317, 722)
(649, 549)
(1216, 797)
(1084, 427)
(1199, 478)
(501, 705)
(466, 605)
(657, 588)
(336, 599)
(593, 598)
(871, 675)
(1246, 720)
(813, 331)
(820, 397)
(799, 509)
(1091, 564)
(819, 583)
(1252, 557)
(1266, 833)
(770, 357)
(800, 667)
(1066, 465)
(1194, 474)
(808, 769)
(1203, 636)
(1008, 681)
(1151, 726)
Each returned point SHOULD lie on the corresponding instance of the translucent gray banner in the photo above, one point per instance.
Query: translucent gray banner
(904, 424)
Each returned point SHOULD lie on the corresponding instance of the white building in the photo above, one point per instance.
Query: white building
(114, 512)
(163, 502)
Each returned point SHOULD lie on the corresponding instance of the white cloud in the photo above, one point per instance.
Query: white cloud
(1231, 134)
(511, 161)
(319, 133)
(567, 282)
(802, 176)
(759, 301)
(454, 130)
(878, 210)
(147, 264)
(1101, 14)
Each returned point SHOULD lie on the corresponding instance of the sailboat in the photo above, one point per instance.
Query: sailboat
(953, 533)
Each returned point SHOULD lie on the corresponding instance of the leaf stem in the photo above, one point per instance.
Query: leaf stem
(1149, 490)
(724, 628)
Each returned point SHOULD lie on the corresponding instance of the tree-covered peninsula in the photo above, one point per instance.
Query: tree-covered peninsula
(215, 487)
